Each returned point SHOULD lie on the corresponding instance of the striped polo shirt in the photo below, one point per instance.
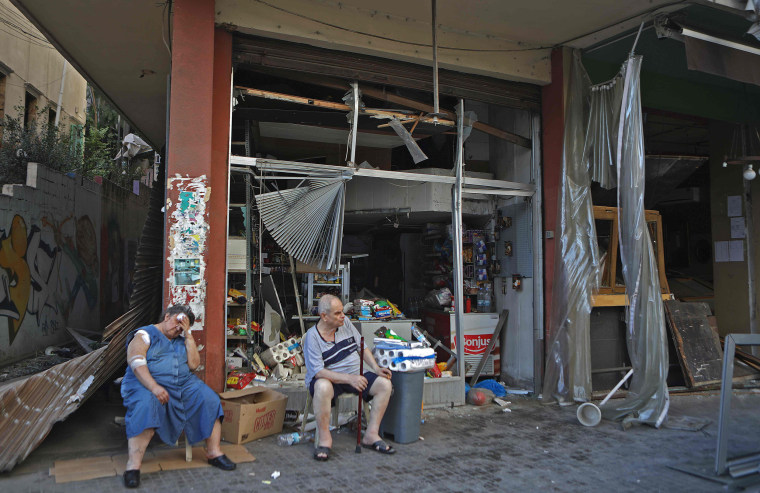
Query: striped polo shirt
(341, 356)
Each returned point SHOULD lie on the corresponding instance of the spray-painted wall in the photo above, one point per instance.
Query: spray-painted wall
(62, 241)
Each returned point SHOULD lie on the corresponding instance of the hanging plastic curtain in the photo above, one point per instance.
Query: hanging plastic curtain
(601, 134)
(576, 260)
(647, 400)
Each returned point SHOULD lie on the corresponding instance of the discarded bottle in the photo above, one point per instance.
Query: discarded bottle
(417, 334)
(288, 439)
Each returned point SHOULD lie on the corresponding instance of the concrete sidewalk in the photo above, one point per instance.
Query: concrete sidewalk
(535, 447)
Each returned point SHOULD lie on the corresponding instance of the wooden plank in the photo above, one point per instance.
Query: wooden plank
(417, 105)
(598, 300)
(495, 337)
(318, 103)
(697, 346)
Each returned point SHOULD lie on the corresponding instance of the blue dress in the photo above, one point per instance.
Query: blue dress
(192, 407)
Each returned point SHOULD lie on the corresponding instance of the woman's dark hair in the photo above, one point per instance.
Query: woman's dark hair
(176, 310)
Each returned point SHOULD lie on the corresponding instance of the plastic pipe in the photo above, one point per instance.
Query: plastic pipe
(589, 414)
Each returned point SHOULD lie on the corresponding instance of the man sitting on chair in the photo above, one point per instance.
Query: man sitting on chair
(331, 350)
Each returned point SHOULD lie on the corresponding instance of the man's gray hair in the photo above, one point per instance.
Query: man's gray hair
(326, 302)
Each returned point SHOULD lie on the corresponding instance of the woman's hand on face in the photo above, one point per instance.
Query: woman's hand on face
(184, 323)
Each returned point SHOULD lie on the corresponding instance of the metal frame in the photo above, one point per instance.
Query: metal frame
(740, 466)
(461, 185)
(538, 254)
(499, 187)
(456, 221)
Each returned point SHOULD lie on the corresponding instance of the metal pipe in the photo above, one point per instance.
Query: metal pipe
(456, 221)
(720, 41)
(248, 277)
(355, 123)
(60, 93)
(611, 370)
(435, 63)
(538, 255)
(749, 235)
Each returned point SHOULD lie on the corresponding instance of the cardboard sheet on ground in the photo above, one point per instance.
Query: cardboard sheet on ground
(66, 471)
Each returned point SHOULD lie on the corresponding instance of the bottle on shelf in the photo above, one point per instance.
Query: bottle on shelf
(481, 299)
(288, 439)
(487, 299)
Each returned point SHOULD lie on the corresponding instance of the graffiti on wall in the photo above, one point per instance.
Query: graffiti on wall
(44, 270)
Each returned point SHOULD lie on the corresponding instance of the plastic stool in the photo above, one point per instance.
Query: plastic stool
(334, 416)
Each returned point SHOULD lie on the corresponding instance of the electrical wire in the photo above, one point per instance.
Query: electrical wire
(25, 39)
(411, 43)
(21, 30)
(164, 18)
(496, 50)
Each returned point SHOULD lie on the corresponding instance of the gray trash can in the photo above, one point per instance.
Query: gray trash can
(401, 422)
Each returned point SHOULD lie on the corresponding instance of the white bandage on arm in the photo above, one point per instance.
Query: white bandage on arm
(137, 361)
(145, 336)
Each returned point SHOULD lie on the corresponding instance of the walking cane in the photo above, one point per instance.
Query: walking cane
(359, 412)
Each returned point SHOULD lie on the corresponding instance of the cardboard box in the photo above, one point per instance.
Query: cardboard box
(252, 413)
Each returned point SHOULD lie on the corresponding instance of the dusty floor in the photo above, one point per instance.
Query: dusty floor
(464, 449)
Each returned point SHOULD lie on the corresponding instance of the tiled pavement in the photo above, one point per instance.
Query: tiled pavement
(535, 447)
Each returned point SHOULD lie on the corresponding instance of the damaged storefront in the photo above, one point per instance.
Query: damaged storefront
(564, 210)
(417, 216)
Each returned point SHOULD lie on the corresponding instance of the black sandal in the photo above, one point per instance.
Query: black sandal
(322, 453)
(132, 478)
(380, 447)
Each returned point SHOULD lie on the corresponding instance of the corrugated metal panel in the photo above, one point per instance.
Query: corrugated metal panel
(262, 52)
(307, 222)
(30, 407)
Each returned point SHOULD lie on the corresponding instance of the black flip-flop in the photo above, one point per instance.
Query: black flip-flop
(380, 447)
(322, 453)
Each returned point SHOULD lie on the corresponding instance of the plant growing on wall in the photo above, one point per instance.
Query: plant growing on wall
(36, 142)
(85, 150)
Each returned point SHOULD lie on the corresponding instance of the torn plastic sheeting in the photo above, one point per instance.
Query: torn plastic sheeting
(468, 120)
(411, 144)
(348, 99)
(647, 400)
(131, 146)
(576, 275)
(601, 133)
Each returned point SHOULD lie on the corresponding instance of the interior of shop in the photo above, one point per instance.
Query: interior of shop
(696, 129)
(396, 234)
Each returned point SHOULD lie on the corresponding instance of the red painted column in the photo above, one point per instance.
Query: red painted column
(553, 122)
(190, 203)
(216, 295)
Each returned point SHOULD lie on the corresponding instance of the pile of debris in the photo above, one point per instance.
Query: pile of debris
(283, 361)
(38, 363)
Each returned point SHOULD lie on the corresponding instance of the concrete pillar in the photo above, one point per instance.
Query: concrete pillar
(553, 121)
(216, 297)
(196, 166)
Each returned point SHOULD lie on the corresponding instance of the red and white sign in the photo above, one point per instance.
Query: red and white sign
(476, 343)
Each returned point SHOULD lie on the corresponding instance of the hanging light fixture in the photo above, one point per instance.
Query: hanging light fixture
(749, 173)
(745, 150)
